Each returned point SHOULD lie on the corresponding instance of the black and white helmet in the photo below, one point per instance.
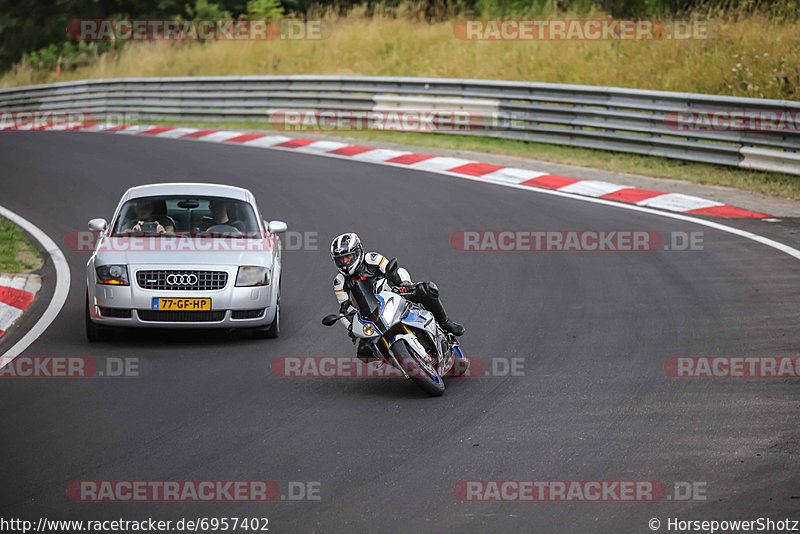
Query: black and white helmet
(347, 253)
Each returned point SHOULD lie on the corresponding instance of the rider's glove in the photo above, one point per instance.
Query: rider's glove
(405, 287)
(350, 333)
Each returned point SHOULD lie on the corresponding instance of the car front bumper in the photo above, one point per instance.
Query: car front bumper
(108, 301)
(227, 321)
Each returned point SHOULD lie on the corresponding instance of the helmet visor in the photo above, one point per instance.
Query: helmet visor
(344, 260)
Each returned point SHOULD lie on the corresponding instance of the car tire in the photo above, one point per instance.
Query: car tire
(272, 330)
(94, 332)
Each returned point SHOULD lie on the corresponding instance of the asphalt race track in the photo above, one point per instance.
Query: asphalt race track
(593, 330)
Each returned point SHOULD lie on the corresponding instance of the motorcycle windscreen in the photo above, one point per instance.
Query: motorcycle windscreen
(363, 294)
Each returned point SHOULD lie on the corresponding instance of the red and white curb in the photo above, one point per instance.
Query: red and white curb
(462, 168)
(16, 295)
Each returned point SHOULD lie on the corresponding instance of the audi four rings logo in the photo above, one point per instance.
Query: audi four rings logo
(181, 279)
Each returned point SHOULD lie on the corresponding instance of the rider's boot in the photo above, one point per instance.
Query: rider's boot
(433, 304)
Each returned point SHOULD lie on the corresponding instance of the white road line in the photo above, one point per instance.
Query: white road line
(59, 295)
(717, 226)
(435, 168)
(786, 249)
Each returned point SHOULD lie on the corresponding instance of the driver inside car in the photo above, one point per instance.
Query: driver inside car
(144, 218)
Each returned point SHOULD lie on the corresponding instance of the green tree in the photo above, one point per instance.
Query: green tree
(264, 9)
(203, 9)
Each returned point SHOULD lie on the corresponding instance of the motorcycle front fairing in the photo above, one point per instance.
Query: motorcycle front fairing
(377, 308)
(418, 317)
(383, 315)
(365, 329)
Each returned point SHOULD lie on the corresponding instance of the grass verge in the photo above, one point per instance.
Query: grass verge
(775, 184)
(17, 255)
(749, 55)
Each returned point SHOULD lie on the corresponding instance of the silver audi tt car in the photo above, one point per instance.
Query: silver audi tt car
(185, 255)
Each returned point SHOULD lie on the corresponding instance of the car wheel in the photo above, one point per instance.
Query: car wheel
(272, 330)
(94, 332)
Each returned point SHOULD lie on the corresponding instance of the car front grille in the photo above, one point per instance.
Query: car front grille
(192, 280)
(182, 316)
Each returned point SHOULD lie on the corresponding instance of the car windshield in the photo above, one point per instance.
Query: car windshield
(195, 216)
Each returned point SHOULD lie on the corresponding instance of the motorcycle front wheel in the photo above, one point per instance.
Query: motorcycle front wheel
(423, 375)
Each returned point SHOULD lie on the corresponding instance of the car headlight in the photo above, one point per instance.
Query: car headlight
(112, 275)
(252, 276)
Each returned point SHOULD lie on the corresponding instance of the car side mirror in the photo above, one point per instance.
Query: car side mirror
(330, 320)
(276, 227)
(99, 225)
(391, 267)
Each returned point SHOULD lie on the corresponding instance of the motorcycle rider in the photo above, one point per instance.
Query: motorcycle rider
(353, 264)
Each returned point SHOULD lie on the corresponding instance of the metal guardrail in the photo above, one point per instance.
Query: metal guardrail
(607, 118)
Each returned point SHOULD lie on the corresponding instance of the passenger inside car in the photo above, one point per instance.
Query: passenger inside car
(219, 215)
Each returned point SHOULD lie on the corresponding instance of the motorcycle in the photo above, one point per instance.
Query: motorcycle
(402, 333)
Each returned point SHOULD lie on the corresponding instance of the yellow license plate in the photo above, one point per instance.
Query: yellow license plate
(165, 304)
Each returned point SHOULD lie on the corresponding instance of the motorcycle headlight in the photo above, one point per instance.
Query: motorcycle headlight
(112, 275)
(252, 276)
(388, 311)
